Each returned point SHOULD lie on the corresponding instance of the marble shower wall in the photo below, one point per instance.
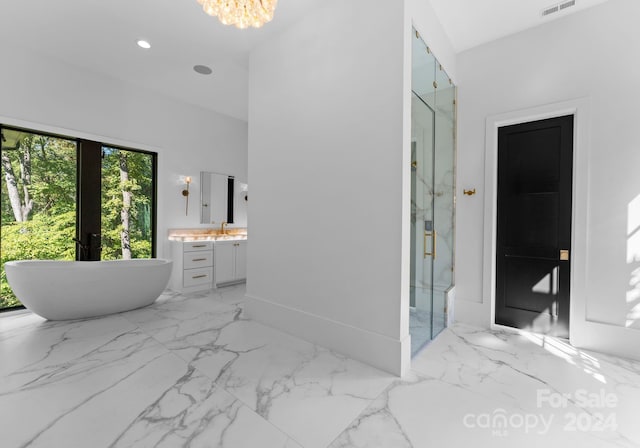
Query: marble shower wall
(421, 200)
(444, 179)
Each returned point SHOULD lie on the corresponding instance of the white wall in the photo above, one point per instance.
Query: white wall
(325, 155)
(48, 95)
(590, 55)
(329, 164)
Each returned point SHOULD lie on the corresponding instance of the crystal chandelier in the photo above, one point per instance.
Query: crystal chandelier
(241, 13)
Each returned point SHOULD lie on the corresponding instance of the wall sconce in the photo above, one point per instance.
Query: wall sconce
(469, 192)
(185, 193)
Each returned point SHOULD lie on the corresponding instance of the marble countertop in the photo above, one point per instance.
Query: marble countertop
(186, 235)
(204, 237)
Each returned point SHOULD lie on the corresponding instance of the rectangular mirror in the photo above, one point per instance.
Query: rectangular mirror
(217, 193)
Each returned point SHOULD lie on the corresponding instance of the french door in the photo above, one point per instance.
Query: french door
(73, 199)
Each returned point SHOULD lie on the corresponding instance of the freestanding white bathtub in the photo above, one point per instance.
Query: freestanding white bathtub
(60, 290)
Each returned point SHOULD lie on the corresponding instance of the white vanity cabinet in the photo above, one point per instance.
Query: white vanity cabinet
(192, 265)
(230, 261)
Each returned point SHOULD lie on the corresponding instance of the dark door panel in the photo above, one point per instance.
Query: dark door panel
(532, 285)
(533, 221)
(535, 163)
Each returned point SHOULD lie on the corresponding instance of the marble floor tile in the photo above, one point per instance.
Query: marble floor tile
(479, 388)
(192, 371)
(43, 347)
(308, 392)
(176, 321)
(14, 323)
(53, 386)
(194, 412)
(105, 382)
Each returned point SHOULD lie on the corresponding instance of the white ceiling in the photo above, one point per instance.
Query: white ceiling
(100, 36)
(470, 23)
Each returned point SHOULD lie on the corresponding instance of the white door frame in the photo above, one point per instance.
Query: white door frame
(580, 109)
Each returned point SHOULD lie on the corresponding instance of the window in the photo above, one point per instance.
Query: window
(71, 199)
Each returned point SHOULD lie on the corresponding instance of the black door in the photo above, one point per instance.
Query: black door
(535, 166)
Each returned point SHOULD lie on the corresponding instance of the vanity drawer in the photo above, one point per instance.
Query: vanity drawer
(198, 259)
(197, 246)
(195, 277)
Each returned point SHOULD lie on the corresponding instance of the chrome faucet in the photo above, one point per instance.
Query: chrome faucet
(222, 230)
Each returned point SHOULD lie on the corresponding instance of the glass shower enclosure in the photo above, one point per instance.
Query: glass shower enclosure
(432, 194)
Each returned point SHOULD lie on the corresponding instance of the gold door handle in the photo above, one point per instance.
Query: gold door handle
(433, 236)
(564, 255)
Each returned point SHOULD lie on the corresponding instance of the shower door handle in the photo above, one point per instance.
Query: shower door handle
(433, 234)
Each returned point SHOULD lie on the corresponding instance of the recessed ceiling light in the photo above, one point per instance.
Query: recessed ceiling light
(144, 44)
(202, 69)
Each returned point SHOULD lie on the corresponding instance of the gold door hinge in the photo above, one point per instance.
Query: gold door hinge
(564, 255)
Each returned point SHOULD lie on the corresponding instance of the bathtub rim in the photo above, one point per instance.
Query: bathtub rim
(133, 262)
(87, 273)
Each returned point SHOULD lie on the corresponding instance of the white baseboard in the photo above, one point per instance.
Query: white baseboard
(477, 314)
(587, 335)
(606, 338)
(383, 352)
(598, 337)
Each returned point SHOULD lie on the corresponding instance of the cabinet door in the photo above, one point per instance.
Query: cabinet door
(224, 256)
(241, 260)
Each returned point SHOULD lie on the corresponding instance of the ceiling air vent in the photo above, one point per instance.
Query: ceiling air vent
(567, 4)
(559, 7)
